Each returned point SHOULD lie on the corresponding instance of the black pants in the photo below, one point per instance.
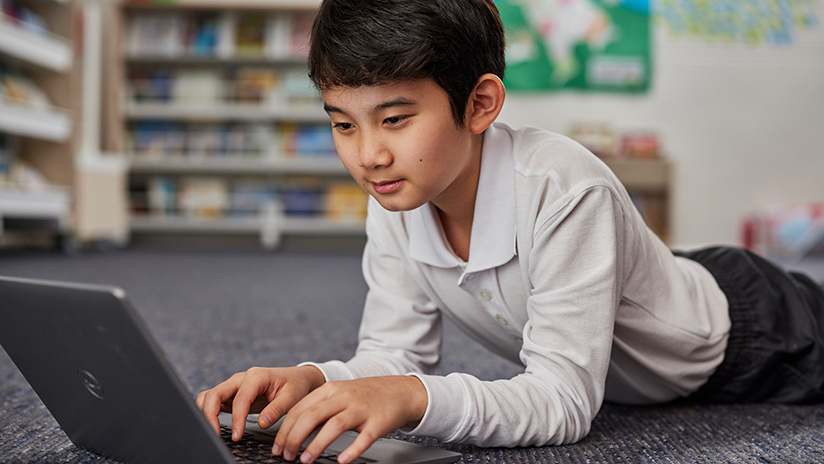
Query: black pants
(775, 352)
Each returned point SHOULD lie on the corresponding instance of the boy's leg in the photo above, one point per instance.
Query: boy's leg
(776, 347)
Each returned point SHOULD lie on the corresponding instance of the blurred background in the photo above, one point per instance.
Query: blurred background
(191, 123)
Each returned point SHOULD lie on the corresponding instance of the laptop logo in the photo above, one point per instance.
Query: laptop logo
(91, 383)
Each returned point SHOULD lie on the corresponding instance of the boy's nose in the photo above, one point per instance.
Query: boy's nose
(374, 154)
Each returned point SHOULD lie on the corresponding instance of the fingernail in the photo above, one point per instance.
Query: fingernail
(264, 422)
(235, 435)
(276, 449)
(344, 458)
(306, 458)
(288, 455)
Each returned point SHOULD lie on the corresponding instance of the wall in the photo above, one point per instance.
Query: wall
(743, 124)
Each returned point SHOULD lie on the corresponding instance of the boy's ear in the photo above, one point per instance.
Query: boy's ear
(485, 103)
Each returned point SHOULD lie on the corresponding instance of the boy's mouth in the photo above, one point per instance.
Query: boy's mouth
(387, 187)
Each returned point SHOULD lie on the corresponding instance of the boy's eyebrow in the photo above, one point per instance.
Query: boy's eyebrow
(382, 106)
(401, 101)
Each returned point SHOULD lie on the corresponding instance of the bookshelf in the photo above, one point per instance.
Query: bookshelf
(223, 130)
(38, 112)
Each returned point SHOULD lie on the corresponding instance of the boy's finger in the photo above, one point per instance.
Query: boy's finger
(358, 447)
(301, 421)
(211, 403)
(330, 431)
(272, 412)
(249, 391)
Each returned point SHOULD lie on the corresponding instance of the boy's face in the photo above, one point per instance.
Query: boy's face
(401, 144)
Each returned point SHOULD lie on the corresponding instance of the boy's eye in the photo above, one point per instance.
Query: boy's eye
(342, 126)
(394, 120)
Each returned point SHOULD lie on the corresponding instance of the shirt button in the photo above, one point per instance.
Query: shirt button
(486, 295)
(502, 320)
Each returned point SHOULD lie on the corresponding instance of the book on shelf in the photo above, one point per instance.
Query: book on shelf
(197, 87)
(203, 197)
(157, 139)
(256, 85)
(250, 35)
(151, 86)
(301, 196)
(346, 202)
(202, 34)
(226, 34)
(17, 89)
(287, 35)
(157, 34)
(205, 140)
(225, 46)
(249, 197)
(278, 43)
(306, 140)
(245, 86)
(14, 12)
(251, 140)
(640, 145)
(160, 196)
(8, 154)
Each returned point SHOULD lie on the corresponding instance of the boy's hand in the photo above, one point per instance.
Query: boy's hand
(269, 391)
(372, 406)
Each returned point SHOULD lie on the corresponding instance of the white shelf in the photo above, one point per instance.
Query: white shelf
(51, 124)
(270, 228)
(321, 226)
(44, 49)
(185, 60)
(178, 224)
(46, 203)
(322, 164)
(226, 112)
(285, 224)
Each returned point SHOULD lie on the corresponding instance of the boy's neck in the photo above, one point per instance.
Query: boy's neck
(458, 232)
(456, 215)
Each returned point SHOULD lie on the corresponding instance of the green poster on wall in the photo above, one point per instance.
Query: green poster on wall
(599, 45)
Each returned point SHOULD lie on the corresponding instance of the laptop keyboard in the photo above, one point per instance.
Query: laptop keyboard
(250, 451)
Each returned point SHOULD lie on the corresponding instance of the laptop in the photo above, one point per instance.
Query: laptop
(95, 365)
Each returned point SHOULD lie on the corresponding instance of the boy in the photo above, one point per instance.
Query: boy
(528, 243)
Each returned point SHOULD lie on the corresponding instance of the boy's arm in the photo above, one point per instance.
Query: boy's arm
(401, 328)
(575, 274)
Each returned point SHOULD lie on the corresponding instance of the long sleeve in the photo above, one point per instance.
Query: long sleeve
(566, 341)
(401, 328)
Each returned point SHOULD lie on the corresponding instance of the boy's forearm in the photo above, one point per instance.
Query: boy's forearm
(417, 398)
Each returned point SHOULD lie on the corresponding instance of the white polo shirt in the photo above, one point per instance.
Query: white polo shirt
(563, 277)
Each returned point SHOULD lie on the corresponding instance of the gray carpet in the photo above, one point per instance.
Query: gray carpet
(217, 312)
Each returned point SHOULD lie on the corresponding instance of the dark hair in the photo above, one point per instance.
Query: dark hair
(374, 42)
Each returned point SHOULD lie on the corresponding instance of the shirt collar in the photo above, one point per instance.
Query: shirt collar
(493, 223)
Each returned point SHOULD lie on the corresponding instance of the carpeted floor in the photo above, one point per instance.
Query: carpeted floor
(217, 312)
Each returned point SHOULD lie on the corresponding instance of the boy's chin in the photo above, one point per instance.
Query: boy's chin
(391, 204)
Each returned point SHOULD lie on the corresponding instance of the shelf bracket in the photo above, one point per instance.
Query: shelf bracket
(271, 225)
